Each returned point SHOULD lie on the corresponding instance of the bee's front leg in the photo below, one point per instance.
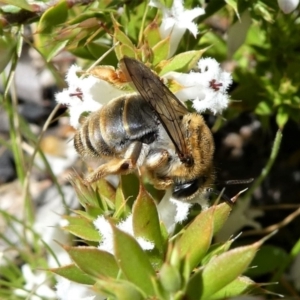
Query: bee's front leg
(119, 166)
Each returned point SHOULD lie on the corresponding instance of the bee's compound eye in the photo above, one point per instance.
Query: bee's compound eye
(185, 190)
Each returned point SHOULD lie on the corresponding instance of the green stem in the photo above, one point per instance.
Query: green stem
(265, 171)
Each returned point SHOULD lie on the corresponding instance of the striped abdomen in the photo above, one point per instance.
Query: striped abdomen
(110, 130)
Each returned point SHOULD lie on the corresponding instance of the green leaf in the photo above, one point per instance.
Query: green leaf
(240, 286)
(130, 186)
(82, 228)
(94, 262)
(216, 249)
(125, 50)
(133, 261)
(161, 51)
(55, 15)
(145, 219)
(73, 273)
(151, 34)
(119, 289)
(93, 212)
(106, 189)
(282, 116)
(51, 52)
(190, 245)
(182, 62)
(264, 108)
(8, 45)
(170, 278)
(19, 3)
(233, 4)
(220, 271)
(222, 212)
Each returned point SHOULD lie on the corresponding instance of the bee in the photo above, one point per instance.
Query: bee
(151, 131)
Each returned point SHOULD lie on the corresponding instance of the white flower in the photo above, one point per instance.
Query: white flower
(85, 94)
(176, 20)
(172, 211)
(68, 290)
(104, 227)
(36, 285)
(287, 6)
(207, 89)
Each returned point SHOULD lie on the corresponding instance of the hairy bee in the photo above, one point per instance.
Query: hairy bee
(151, 130)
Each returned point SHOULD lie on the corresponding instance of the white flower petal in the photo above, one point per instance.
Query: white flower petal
(287, 6)
(207, 89)
(176, 20)
(182, 210)
(86, 94)
(103, 226)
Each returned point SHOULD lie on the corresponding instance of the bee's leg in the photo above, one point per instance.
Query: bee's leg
(158, 159)
(120, 166)
(157, 164)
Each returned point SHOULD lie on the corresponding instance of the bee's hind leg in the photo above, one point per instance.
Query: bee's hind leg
(133, 156)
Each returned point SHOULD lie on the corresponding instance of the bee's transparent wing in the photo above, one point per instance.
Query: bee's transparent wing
(168, 108)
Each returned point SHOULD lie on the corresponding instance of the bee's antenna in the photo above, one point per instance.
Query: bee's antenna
(238, 181)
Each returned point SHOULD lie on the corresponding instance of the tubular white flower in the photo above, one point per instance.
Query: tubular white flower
(287, 6)
(176, 20)
(85, 94)
(207, 89)
(104, 227)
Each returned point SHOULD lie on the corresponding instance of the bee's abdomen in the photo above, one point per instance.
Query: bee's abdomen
(88, 140)
(115, 126)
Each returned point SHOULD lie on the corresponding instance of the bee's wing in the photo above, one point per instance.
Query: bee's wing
(169, 109)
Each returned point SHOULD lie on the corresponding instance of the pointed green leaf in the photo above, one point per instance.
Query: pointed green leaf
(222, 212)
(190, 244)
(133, 261)
(93, 212)
(182, 62)
(8, 45)
(19, 3)
(73, 273)
(120, 203)
(233, 4)
(145, 219)
(126, 51)
(161, 51)
(221, 271)
(214, 250)
(282, 116)
(239, 286)
(55, 15)
(131, 187)
(93, 261)
(82, 228)
(106, 189)
(170, 278)
(151, 34)
(121, 37)
(119, 289)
